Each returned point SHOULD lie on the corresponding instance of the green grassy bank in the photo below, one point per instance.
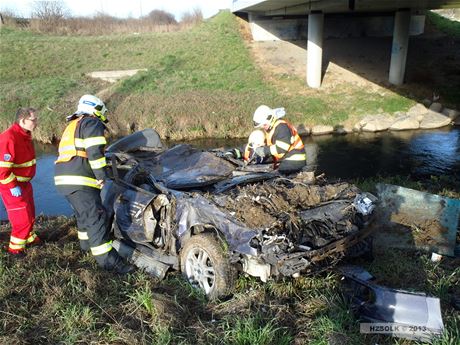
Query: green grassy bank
(200, 82)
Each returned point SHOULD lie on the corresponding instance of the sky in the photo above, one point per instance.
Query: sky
(123, 8)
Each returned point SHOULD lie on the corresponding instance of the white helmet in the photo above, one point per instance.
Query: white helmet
(256, 138)
(91, 105)
(262, 116)
(266, 116)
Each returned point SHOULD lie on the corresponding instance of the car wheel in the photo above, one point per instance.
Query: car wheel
(205, 264)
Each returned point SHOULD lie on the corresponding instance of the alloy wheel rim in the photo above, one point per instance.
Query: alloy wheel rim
(199, 269)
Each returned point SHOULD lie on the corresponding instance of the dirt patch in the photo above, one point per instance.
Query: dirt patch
(433, 64)
(311, 215)
(259, 206)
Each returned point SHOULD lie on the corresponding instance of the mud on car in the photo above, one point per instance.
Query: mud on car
(212, 217)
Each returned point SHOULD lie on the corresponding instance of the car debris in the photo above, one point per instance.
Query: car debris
(195, 211)
(398, 313)
(414, 218)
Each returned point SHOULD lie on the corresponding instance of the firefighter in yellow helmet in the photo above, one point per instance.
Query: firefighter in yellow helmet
(80, 172)
(283, 143)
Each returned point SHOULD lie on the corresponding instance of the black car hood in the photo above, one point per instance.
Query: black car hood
(185, 167)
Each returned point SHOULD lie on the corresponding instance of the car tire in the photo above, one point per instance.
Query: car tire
(205, 264)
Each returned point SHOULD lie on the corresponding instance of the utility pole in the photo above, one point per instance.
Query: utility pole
(140, 8)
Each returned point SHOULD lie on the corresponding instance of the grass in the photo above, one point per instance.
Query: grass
(446, 25)
(58, 295)
(199, 83)
(442, 185)
(450, 92)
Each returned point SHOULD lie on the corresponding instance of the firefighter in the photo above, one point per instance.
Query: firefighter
(80, 172)
(283, 143)
(17, 168)
(255, 139)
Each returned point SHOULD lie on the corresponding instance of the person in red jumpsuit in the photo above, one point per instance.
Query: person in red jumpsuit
(17, 168)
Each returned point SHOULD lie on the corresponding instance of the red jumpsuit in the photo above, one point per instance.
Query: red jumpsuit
(17, 167)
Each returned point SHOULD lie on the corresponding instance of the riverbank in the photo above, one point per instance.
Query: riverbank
(184, 94)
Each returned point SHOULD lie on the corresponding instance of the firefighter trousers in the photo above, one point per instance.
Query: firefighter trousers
(93, 227)
(21, 214)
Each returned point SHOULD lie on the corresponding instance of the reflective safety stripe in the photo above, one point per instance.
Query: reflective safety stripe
(77, 153)
(67, 152)
(76, 181)
(273, 150)
(79, 143)
(17, 246)
(248, 152)
(23, 178)
(88, 142)
(297, 157)
(102, 249)
(83, 235)
(98, 163)
(16, 240)
(25, 164)
(32, 237)
(283, 145)
(6, 164)
(8, 179)
(296, 141)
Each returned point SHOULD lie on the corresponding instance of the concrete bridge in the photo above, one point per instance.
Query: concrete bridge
(299, 19)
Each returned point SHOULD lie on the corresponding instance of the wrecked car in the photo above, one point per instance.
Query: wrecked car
(211, 217)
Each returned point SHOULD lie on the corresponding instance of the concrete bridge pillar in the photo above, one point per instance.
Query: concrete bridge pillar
(315, 49)
(399, 47)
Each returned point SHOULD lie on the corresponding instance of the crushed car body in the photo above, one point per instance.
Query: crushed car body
(210, 216)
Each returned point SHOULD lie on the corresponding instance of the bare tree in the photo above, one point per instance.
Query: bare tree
(49, 13)
(159, 17)
(193, 17)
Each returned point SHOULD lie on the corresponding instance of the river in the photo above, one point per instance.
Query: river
(419, 154)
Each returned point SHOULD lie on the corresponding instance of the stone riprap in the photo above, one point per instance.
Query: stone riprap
(376, 123)
(434, 119)
(417, 117)
(321, 130)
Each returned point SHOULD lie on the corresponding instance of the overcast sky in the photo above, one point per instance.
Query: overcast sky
(123, 8)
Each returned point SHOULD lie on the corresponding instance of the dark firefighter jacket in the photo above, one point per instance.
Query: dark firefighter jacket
(81, 160)
(284, 144)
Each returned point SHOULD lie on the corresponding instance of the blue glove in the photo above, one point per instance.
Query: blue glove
(16, 191)
(260, 151)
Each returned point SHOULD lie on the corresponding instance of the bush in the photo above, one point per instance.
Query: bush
(159, 17)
